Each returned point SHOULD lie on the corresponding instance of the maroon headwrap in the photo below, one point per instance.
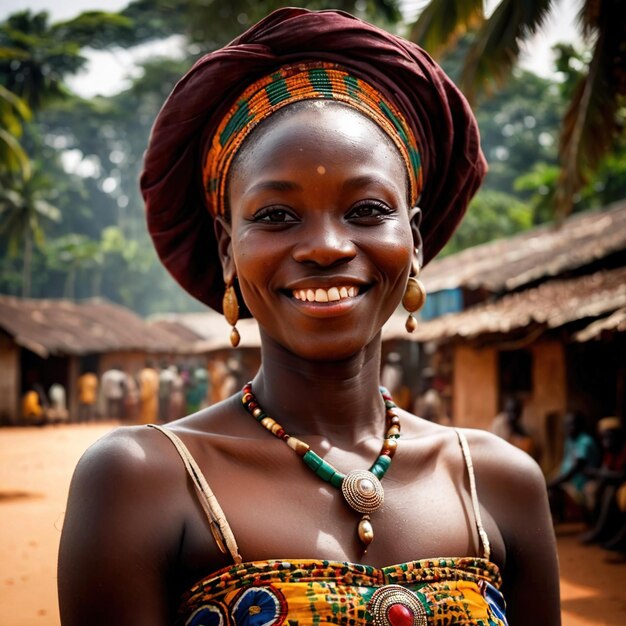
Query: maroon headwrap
(179, 222)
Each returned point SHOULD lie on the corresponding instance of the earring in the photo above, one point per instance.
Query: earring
(414, 296)
(230, 306)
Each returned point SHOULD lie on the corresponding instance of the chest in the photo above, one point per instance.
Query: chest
(280, 509)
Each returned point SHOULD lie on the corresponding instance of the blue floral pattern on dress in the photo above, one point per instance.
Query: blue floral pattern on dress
(496, 603)
(207, 615)
(259, 606)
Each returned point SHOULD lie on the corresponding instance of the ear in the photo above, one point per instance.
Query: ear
(415, 218)
(223, 235)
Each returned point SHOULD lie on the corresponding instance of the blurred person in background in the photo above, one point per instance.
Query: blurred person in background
(87, 386)
(57, 412)
(580, 454)
(509, 426)
(113, 389)
(148, 379)
(605, 482)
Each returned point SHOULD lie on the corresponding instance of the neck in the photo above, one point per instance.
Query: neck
(337, 400)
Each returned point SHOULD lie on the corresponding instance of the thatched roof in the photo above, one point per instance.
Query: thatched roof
(547, 251)
(63, 327)
(552, 304)
(613, 323)
(212, 329)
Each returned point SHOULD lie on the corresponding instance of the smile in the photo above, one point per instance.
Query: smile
(334, 294)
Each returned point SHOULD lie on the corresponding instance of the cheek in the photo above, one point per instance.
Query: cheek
(256, 261)
(393, 249)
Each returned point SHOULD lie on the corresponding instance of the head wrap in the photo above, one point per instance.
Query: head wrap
(295, 83)
(437, 115)
(609, 423)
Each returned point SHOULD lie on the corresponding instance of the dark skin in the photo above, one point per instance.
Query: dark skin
(318, 200)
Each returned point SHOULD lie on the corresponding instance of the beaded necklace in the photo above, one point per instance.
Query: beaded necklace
(361, 489)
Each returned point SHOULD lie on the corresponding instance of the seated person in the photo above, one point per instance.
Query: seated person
(606, 480)
(580, 454)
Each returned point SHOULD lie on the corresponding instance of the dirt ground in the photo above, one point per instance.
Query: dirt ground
(35, 469)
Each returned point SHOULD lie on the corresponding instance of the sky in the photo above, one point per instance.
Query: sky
(109, 72)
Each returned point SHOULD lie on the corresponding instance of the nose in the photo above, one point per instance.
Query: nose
(325, 243)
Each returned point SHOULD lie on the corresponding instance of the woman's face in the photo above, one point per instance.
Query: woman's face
(320, 237)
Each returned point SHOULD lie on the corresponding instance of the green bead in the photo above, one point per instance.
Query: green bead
(325, 471)
(381, 466)
(312, 460)
(384, 460)
(337, 479)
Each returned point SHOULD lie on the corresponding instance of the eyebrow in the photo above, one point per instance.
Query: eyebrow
(362, 181)
(274, 185)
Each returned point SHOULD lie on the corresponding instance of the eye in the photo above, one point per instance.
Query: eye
(369, 210)
(274, 215)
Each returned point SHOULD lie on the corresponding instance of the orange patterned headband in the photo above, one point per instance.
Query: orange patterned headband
(294, 83)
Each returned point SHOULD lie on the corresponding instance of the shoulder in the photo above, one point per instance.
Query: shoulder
(126, 462)
(502, 469)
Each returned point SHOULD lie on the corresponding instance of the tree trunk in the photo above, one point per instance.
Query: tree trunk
(26, 268)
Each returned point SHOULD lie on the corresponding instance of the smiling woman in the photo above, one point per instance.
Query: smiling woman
(302, 175)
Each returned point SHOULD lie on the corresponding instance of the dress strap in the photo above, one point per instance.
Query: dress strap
(220, 529)
(475, 504)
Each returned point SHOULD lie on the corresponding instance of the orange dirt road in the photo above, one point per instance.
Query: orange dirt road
(36, 465)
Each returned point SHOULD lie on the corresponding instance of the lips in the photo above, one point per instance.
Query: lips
(333, 294)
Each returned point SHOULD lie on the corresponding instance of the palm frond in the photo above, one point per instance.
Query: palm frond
(442, 22)
(15, 156)
(594, 119)
(496, 48)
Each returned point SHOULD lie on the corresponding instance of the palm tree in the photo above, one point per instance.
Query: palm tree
(36, 56)
(23, 208)
(593, 120)
(13, 110)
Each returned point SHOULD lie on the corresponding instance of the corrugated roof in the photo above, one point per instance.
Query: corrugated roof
(546, 251)
(552, 304)
(64, 327)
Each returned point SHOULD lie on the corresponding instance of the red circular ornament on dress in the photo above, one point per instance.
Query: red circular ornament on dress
(393, 605)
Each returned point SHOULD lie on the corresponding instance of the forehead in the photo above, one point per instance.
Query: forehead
(324, 129)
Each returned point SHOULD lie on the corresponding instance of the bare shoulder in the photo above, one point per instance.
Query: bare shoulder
(502, 466)
(122, 456)
(142, 454)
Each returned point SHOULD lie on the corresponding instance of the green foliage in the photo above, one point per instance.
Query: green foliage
(491, 215)
(88, 153)
(593, 120)
(13, 112)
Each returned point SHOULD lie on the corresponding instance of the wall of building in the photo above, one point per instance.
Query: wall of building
(9, 380)
(475, 386)
(547, 402)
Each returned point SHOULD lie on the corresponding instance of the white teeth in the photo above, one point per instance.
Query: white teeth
(321, 295)
(333, 294)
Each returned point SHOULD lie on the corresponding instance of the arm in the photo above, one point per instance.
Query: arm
(512, 488)
(115, 550)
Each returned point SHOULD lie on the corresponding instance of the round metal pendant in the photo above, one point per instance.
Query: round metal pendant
(363, 491)
(393, 605)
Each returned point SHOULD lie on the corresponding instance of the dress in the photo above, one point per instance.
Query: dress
(428, 592)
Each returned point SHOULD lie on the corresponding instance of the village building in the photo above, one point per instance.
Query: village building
(539, 316)
(44, 342)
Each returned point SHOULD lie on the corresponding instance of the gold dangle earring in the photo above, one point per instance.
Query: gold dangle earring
(414, 295)
(230, 306)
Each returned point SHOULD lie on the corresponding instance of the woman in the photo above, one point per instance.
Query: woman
(313, 136)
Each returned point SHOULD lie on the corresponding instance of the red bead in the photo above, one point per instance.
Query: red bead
(400, 615)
